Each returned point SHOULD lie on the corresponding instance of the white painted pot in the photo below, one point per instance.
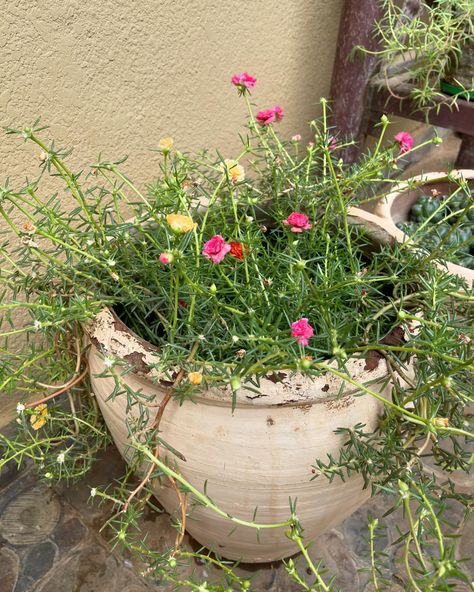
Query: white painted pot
(257, 457)
(395, 207)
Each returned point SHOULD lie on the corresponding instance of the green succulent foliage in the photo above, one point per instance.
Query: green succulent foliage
(447, 221)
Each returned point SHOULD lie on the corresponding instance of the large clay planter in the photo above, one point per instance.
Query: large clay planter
(257, 457)
(395, 207)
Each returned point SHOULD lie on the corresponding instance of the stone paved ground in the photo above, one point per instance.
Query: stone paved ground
(50, 542)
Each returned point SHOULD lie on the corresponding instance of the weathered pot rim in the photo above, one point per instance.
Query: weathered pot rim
(111, 336)
(383, 211)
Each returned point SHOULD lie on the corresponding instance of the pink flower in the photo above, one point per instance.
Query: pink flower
(266, 116)
(166, 258)
(278, 112)
(216, 249)
(332, 143)
(243, 81)
(405, 141)
(296, 138)
(298, 222)
(302, 330)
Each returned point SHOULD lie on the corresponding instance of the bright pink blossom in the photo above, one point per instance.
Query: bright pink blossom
(302, 330)
(278, 112)
(243, 81)
(298, 222)
(405, 141)
(266, 116)
(166, 258)
(216, 249)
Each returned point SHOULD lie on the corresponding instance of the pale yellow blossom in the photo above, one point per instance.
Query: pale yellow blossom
(234, 170)
(166, 144)
(180, 223)
(38, 419)
(195, 378)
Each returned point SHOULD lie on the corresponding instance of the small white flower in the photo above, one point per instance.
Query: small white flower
(61, 457)
(37, 325)
(111, 263)
(93, 492)
(202, 338)
(235, 338)
(20, 408)
(109, 362)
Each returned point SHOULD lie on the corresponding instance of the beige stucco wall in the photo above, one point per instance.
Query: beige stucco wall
(113, 76)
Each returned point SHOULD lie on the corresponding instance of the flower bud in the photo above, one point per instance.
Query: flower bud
(213, 289)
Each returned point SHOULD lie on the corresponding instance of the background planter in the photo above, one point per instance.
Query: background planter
(395, 207)
(260, 456)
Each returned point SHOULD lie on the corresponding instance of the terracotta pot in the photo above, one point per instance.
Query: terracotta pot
(395, 207)
(257, 457)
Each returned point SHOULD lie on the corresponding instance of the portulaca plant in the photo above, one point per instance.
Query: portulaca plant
(237, 266)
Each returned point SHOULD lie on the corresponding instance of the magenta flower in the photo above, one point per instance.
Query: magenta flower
(243, 81)
(216, 249)
(166, 258)
(405, 141)
(268, 116)
(298, 222)
(302, 330)
(278, 112)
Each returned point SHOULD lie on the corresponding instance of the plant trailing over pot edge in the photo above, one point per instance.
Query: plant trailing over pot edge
(230, 273)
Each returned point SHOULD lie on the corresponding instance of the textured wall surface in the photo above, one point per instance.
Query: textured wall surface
(113, 76)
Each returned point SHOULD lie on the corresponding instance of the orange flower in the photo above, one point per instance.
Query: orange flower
(239, 251)
(38, 419)
(180, 223)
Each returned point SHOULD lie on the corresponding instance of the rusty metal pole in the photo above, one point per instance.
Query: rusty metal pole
(351, 75)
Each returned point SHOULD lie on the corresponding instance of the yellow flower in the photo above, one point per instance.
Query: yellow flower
(441, 422)
(180, 223)
(166, 144)
(234, 170)
(195, 378)
(38, 419)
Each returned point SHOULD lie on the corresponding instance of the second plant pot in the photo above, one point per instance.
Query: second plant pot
(395, 207)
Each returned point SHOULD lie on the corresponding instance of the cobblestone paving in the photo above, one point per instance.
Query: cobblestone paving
(50, 541)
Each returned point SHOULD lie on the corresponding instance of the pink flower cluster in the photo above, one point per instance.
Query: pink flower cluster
(298, 222)
(302, 330)
(243, 81)
(405, 141)
(268, 116)
(216, 249)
